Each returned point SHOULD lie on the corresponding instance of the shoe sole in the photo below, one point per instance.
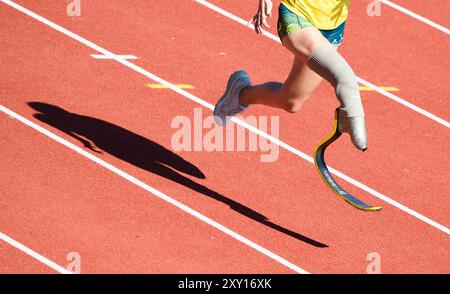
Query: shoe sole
(231, 81)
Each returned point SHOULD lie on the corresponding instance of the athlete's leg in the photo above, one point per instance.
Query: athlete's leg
(311, 48)
(322, 58)
(314, 56)
(290, 95)
(301, 82)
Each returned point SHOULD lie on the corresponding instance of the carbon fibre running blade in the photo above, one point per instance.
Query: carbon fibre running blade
(319, 161)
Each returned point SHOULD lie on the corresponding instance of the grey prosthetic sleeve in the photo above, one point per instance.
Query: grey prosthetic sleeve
(330, 65)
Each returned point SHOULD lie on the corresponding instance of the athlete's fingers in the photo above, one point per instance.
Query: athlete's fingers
(268, 9)
(257, 28)
(261, 21)
(265, 23)
(252, 21)
(256, 24)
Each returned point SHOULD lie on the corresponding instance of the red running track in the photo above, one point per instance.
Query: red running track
(56, 201)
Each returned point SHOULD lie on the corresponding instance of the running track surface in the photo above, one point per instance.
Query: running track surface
(55, 201)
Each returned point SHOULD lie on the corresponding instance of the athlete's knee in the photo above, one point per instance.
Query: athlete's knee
(332, 66)
(346, 84)
(295, 104)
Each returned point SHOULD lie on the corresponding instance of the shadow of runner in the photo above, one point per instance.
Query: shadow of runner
(145, 154)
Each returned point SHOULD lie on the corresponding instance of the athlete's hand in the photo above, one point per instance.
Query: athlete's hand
(260, 19)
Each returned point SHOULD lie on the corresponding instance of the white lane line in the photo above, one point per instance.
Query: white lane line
(360, 80)
(33, 254)
(404, 102)
(346, 178)
(101, 56)
(155, 192)
(416, 16)
(234, 119)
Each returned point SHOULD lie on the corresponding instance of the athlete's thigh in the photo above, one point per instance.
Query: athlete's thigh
(303, 42)
(302, 81)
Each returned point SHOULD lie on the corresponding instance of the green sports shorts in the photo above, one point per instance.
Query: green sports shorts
(289, 22)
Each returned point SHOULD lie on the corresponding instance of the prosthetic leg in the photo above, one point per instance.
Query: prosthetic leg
(341, 124)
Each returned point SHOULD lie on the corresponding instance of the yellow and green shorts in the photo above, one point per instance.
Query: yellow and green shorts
(289, 22)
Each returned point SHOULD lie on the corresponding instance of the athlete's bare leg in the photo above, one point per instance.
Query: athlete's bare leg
(301, 82)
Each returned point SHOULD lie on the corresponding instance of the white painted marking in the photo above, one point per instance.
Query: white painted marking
(416, 16)
(102, 56)
(404, 103)
(154, 191)
(33, 254)
(234, 119)
(360, 80)
(345, 177)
